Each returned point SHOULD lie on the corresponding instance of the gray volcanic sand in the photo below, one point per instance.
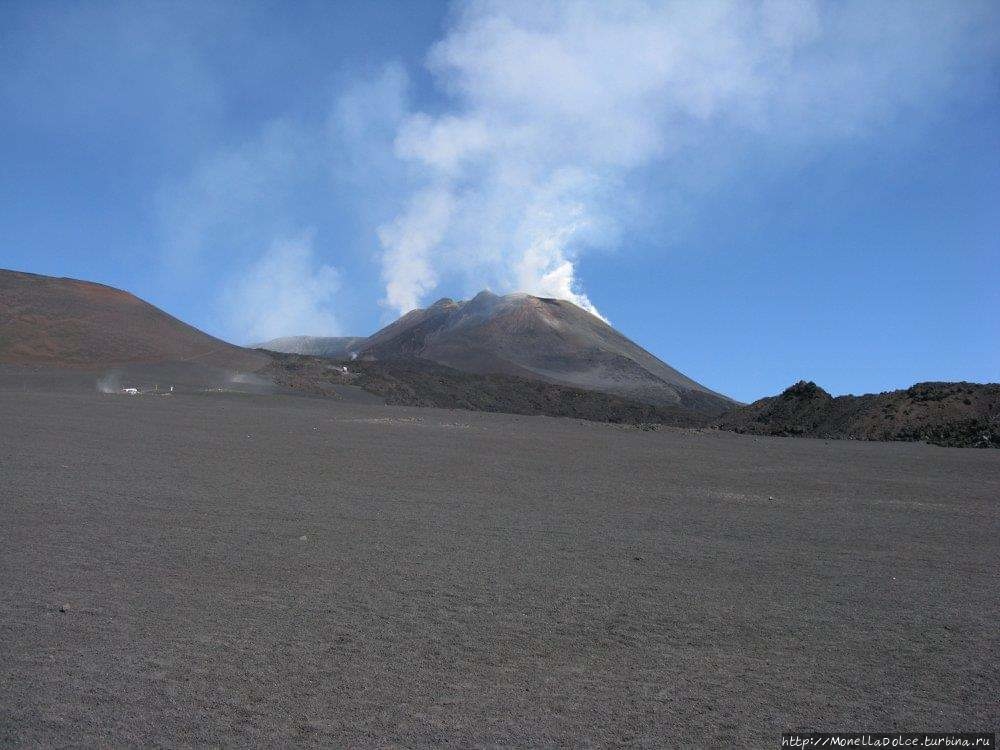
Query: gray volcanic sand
(276, 570)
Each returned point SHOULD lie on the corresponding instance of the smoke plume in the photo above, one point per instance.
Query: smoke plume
(554, 108)
(286, 289)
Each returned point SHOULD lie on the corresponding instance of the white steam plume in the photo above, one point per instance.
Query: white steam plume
(284, 291)
(555, 107)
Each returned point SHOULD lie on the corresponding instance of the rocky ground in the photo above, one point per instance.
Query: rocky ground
(234, 569)
(963, 415)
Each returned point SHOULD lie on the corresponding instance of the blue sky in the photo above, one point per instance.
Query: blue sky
(755, 192)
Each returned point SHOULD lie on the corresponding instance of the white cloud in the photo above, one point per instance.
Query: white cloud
(264, 188)
(408, 241)
(556, 105)
(286, 291)
(559, 120)
(442, 143)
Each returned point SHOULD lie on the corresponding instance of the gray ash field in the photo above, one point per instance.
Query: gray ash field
(241, 569)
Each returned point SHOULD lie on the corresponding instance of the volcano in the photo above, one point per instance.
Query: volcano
(46, 320)
(538, 338)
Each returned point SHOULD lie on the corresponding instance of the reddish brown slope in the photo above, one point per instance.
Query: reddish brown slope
(64, 322)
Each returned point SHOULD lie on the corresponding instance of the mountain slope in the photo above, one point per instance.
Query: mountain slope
(335, 347)
(64, 322)
(538, 338)
(955, 414)
(420, 382)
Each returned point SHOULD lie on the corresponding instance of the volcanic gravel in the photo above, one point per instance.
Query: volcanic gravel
(250, 570)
